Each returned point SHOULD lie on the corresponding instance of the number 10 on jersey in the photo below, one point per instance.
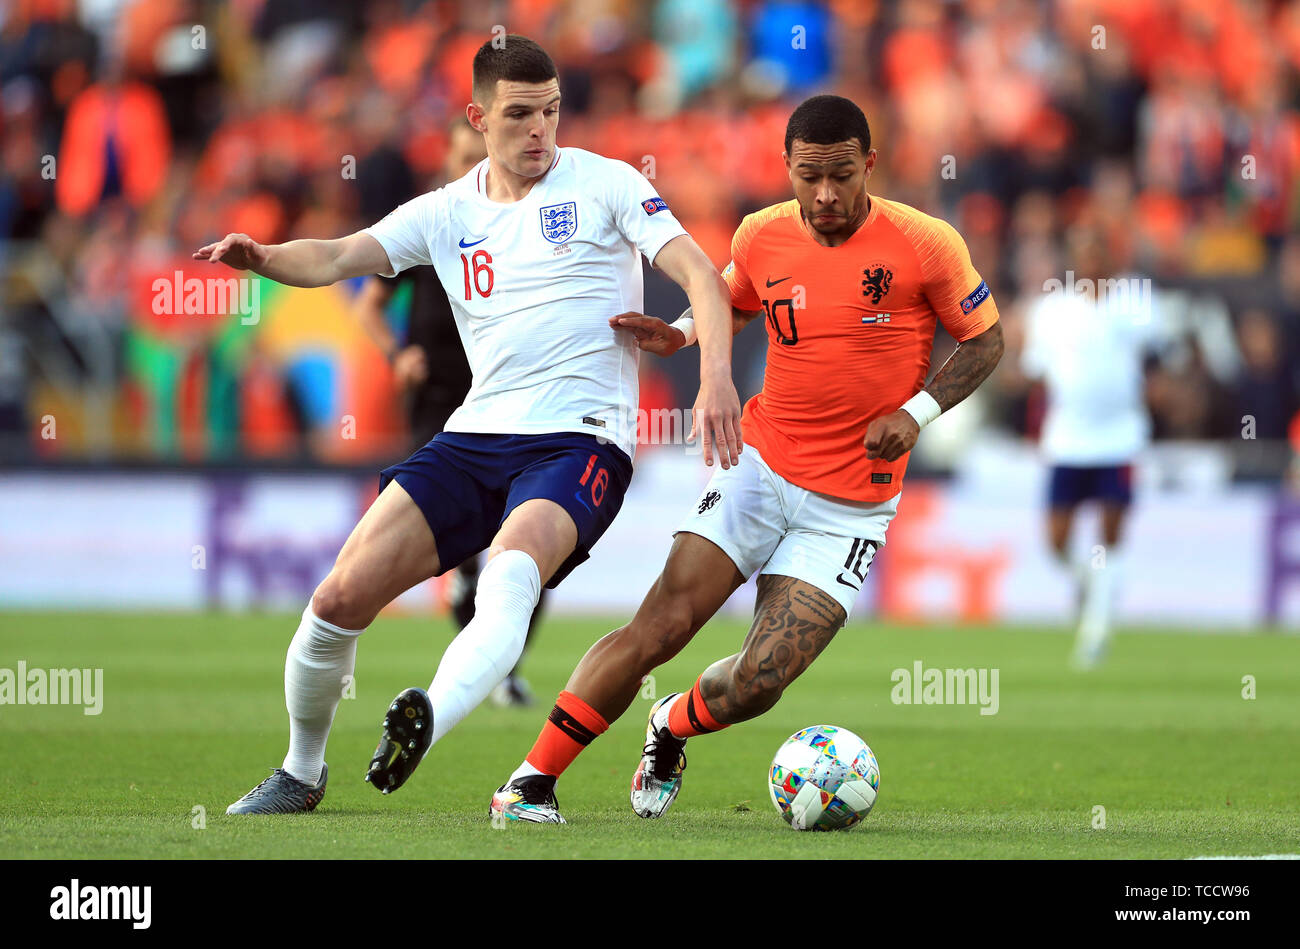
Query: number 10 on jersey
(481, 263)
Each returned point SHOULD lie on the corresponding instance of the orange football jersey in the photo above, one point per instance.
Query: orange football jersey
(849, 329)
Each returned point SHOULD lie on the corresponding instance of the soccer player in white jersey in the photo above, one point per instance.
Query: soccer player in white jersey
(538, 247)
(1087, 341)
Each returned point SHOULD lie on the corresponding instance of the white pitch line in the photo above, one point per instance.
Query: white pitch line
(1265, 856)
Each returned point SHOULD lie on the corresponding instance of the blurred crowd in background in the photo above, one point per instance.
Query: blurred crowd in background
(134, 131)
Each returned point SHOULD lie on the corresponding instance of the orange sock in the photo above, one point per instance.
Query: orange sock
(571, 726)
(688, 716)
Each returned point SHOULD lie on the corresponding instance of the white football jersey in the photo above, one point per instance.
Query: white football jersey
(1089, 350)
(533, 284)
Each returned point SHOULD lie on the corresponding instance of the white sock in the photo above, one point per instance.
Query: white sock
(320, 655)
(1098, 603)
(525, 770)
(1080, 571)
(488, 648)
(1084, 575)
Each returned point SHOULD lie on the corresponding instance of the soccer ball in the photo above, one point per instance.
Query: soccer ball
(824, 778)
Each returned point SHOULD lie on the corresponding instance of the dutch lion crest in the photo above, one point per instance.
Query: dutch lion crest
(879, 277)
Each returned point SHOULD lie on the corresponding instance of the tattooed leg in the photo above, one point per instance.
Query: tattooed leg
(793, 622)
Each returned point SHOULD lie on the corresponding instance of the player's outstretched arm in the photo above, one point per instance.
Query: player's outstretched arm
(891, 436)
(716, 419)
(653, 335)
(300, 263)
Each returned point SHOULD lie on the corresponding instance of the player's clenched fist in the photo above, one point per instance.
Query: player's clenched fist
(652, 334)
(235, 250)
(891, 436)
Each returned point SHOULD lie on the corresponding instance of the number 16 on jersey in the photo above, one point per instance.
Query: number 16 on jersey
(481, 263)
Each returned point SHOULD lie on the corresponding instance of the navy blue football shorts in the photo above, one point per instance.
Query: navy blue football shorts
(467, 484)
(1069, 485)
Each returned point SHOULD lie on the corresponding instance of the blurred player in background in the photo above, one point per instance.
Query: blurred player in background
(431, 368)
(1087, 342)
(538, 248)
(850, 287)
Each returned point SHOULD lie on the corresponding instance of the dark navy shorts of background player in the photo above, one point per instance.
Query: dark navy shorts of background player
(467, 484)
(1109, 483)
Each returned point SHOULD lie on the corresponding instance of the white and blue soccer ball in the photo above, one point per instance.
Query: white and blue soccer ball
(824, 778)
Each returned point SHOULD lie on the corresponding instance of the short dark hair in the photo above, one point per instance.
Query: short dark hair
(515, 59)
(825, 120)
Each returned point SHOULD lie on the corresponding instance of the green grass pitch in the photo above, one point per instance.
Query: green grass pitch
(1161, 738)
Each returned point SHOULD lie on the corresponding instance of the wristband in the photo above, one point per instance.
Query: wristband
(687, 325)
(923, 408)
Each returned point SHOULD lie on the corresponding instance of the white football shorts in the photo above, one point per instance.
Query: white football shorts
(765, 523)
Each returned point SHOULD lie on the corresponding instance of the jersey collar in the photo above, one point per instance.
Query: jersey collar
(480, 178)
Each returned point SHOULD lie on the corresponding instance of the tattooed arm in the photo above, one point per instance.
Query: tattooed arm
(967, 367)
(890, 436)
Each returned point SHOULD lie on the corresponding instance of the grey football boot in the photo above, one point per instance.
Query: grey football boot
(282, 793)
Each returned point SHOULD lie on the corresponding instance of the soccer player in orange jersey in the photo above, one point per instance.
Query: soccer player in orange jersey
(850, 287)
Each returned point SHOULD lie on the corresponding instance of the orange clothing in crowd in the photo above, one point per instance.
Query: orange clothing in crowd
(127, 122)
(850, 329)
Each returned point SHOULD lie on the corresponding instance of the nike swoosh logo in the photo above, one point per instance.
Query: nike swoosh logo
(773, 283)
(850, 585)
(472, 243)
